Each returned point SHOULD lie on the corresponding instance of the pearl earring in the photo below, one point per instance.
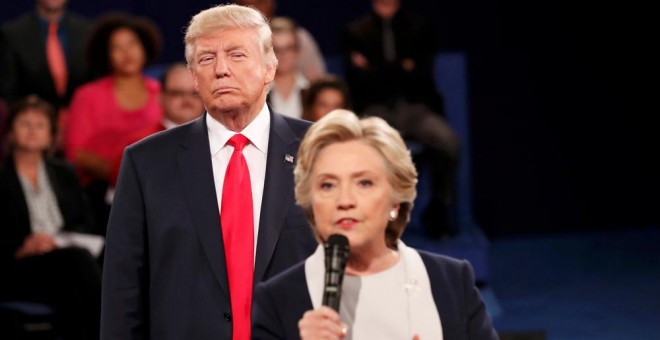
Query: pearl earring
(392, 215)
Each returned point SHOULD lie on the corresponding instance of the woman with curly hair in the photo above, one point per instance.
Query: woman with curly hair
(115, 105)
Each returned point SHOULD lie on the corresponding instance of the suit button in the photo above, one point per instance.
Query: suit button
(227, 317)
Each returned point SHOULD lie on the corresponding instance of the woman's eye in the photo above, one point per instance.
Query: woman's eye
(365, 183)
(326, 186)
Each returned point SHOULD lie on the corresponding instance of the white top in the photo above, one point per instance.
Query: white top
(376, 306)
(255, 155)
(291, 106)
(45, 215)
(394, 304)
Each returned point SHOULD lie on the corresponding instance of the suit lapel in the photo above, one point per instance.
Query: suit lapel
(194, 158)
(278, 191)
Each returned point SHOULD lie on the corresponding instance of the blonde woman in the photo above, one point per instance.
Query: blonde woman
(356, 178)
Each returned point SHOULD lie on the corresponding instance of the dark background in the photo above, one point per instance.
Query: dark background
(563, 128)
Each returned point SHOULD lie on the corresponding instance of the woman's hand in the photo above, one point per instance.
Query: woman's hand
(36, 244)
(322, 323)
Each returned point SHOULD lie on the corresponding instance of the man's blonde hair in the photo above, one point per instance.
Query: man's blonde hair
(230, 16)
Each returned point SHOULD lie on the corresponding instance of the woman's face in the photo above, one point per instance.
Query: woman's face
(327, 100)
(127, 55)
(31, 131)
(351, 195)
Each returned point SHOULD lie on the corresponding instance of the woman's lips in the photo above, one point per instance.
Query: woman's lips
(346, 223)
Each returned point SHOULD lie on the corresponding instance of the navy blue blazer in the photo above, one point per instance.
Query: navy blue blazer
(164, 275)
(280, 303)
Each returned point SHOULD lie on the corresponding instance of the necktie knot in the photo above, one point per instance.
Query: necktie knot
(52, 27)
(238, 141)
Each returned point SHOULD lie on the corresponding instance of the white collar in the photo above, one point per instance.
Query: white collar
(257, 131)
(424, 318)
(168, 124)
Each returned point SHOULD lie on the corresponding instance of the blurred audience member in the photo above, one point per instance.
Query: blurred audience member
(43, 53)
(286, 91)
(390, 75)
(39, 199)
(181, 104)
(120, 103)
(326, 94)
(310, 61)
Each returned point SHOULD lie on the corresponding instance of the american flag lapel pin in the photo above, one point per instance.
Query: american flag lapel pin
(288, 158)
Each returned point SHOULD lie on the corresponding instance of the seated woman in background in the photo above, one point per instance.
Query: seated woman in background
(120, 103)
(324, 95)
(356, 178)
(39, 198)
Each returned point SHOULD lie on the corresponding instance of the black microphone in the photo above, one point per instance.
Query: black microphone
(336, 255)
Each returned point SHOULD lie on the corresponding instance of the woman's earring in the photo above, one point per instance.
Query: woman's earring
(392, 215)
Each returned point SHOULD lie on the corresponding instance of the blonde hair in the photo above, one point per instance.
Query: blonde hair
(342, 126)
(230, 16)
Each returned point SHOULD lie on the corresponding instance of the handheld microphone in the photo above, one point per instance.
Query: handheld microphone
(336, 255)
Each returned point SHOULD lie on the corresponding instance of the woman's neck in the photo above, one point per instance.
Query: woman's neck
(361, 263)
(27, 165)
(27, 159)
(127, 80)
(130, 91)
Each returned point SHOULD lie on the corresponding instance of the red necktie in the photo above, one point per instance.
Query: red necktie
(237, 221)
(56, 59)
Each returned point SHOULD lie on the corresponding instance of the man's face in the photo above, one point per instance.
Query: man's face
(286, 50)
(51, 5)
(230, 73)
(386, 9)
(179, 98)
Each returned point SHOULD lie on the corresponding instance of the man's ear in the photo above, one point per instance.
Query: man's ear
(270, 73)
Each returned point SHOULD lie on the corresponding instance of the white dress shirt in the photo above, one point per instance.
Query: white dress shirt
(255, 155)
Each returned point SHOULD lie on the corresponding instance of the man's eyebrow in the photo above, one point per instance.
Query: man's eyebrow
(203, 50)
(233, 47)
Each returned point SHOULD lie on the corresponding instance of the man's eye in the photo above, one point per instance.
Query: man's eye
(205, 60)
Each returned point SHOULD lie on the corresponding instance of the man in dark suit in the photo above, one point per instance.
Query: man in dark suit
(24, 63)
(389, 58)
(171, 268)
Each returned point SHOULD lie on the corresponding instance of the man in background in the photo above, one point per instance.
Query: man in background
(43, 53)
(389, 58)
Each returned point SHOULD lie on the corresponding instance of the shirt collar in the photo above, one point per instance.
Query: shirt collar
(257, 132)
(168, 124)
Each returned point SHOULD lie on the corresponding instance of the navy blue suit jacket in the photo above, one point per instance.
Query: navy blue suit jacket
(164, 274)
(280, 303)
